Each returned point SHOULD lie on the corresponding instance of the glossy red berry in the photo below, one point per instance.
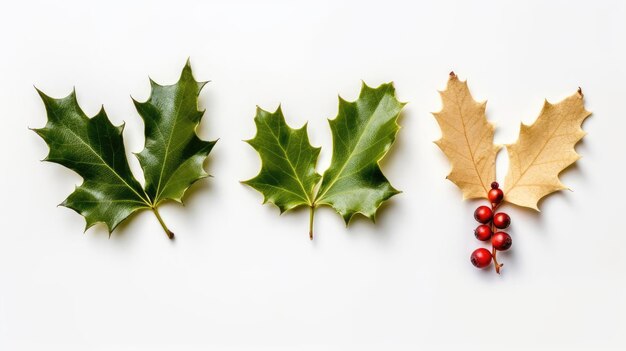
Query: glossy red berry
(501, 241)
(483, 232)
(501, 220)
(483, 214)
(481, 258)
(495, 196)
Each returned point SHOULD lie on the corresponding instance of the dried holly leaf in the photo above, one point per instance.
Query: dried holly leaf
(363, 132)
(467, 139)
(543, 150)
(94, 148)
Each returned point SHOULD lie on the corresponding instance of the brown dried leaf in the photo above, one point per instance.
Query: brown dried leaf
(467, 140)
(543, 150)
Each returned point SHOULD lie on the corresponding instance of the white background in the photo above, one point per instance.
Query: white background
(239, 276)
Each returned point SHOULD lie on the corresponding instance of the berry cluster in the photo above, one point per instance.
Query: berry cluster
(489, 230)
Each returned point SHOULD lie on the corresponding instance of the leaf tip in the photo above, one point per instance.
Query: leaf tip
(42, 95)
(153, 83)
(258, 111)
(202, 84)
(372, 217)
(347, 217)
(187, 72)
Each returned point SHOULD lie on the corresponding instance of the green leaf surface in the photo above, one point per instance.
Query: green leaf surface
(363, 132)
(94, 148)
(173, 155)
(288, 175)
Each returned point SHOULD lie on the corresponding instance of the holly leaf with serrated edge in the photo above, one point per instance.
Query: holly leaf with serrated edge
(466, 139)
(287, 178)
(543, 150)
(172, 159)
(93, 148)
(363, 132)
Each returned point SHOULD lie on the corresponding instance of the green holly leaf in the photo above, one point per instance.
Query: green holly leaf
(288, 175)
(94, 148)
(173, 155)
(363, 132)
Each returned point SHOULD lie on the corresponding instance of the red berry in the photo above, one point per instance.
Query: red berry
(501, 220)
(481, 258)
(483, 214)
(495, 196)
(501, 241)
(483, 232)
(495, 185)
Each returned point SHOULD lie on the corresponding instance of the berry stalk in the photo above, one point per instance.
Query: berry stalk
(493, 248)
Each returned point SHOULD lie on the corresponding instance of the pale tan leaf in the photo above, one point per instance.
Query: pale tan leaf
(467, 140)
(543, 150)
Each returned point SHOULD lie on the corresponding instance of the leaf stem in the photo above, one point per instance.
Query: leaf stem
(169, 233)
(311, 216)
